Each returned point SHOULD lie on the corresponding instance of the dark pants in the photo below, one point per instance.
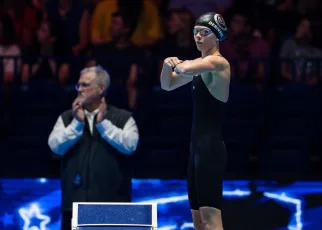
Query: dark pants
(66, 223)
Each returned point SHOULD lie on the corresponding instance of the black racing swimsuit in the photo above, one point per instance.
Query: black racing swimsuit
(207, 149)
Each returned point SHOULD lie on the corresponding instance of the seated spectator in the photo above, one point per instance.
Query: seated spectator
(44, 67)
(66, 15)
(298, 48)
(144, 16)
(8, 47)
(313, 9)
(15, 11)
(84, 44)
(33, 15)
(178, 39)
(122, 59)
(284, 20)
(242, 44)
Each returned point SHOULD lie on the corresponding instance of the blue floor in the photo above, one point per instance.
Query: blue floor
(34, 204)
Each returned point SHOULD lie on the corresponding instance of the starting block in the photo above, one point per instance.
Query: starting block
(114, 216)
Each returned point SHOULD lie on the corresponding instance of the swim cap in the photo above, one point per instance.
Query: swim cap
(215, 23)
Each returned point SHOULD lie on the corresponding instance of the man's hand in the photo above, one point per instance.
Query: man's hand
(78, 110)
(172, 62)
(101, 111)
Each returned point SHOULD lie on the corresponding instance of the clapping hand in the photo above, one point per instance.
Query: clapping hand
(78, 110)
(101, 111)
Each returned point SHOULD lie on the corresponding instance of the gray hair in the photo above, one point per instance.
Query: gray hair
(101, 75)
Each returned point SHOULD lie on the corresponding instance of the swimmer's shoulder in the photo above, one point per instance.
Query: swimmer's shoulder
(221, 64)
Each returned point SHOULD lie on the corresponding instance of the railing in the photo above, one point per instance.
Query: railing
(246, 69)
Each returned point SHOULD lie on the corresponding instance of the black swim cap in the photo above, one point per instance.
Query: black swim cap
(215, 22)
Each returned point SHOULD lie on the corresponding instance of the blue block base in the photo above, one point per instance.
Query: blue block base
(113, 228)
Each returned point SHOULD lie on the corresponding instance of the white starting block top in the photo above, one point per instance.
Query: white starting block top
(114, 216)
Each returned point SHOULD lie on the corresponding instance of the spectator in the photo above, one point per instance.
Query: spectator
(8, 47)
(284, 21)
(122, 59)
(178, 40)
(66, 15)
(240, 44)
(312, 9)
(15, 11)
(145, 17)
(84, 43)
(44, 67)
(298, 48)
(33, 15)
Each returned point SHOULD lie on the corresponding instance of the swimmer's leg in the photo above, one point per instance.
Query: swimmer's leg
(192, 195)
(211, 218)
(210, 169)
(210, 198)
(197, 222)
(209, 191)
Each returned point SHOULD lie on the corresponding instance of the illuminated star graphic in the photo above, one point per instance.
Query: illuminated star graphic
(298, 205)
(27, 214)
(7, 219)
(298, 225)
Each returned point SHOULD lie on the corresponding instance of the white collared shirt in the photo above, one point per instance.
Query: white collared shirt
(90, 118)
(125, 140)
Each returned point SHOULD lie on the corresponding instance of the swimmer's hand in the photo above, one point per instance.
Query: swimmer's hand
(178, 70)
(172, 62)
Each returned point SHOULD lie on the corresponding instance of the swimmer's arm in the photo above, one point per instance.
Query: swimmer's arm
(170, 80)
(199, 66)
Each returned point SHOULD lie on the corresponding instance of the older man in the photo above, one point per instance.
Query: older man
(95, 141)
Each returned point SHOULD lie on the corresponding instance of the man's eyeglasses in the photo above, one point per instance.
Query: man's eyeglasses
(203, 32)
(83, 85)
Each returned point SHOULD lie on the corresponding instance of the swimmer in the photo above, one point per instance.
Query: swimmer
(210, 79)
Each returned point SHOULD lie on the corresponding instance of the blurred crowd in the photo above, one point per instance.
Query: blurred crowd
(52, 40)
